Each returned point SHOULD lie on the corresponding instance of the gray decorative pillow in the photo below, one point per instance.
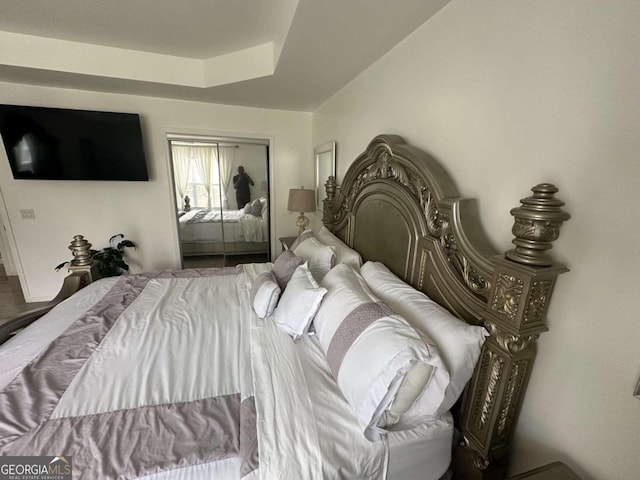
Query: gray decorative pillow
(284, 267)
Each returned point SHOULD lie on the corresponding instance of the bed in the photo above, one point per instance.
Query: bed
(174, 375)
(212, 232)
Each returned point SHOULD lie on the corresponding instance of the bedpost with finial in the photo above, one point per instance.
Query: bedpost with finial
(83, 271)
(82, 262)
(537, 224)
(330, 189)
(523, 281)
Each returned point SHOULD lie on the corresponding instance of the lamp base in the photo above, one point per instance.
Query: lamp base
(302, 223)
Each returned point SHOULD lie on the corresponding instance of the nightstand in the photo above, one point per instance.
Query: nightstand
(553, 471)
(286, 242)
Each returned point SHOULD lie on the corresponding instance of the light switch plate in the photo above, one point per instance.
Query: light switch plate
(28, 213)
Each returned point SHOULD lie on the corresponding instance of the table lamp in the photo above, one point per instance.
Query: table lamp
(301, 200)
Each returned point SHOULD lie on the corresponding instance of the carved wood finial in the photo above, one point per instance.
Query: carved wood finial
(330, 187)
(80, 249)
(537, 224)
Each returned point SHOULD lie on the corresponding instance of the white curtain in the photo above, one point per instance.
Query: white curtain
(205, 162)
(225, 161)
(181, 166)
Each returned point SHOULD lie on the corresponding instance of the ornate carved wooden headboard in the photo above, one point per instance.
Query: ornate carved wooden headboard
(397, 205)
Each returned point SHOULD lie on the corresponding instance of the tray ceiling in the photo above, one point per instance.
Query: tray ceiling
(285, 54)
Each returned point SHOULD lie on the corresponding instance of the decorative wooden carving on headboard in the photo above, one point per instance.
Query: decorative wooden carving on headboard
(396, 189)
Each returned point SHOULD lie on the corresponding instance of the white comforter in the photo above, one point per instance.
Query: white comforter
(158, 383)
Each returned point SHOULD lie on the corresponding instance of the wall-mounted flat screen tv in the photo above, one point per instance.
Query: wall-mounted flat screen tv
(61, 144)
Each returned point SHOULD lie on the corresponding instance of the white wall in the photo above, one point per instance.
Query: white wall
(143, 211)
(510, 93)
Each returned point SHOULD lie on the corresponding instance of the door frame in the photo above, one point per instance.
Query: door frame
(8, 248)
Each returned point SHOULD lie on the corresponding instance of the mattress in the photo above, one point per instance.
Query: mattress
(422, 453)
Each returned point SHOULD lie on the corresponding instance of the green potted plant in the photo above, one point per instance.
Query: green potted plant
(110, 260)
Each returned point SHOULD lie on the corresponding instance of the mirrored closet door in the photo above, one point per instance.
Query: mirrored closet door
(221, 199)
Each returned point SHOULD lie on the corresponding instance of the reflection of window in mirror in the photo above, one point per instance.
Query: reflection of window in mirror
(325, 157)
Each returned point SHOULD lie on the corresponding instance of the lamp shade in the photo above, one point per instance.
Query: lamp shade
(302, 200)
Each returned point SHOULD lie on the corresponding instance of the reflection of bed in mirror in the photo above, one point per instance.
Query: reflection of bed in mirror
(213, 232)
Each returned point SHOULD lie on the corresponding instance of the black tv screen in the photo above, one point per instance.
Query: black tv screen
(60, 144)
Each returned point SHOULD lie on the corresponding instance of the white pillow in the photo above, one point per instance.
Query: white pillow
(344, 253)
(301, 238)
(458, 342)
(320, 257)
(383, 366)
(256, 208)
(299, 303)
(265, 293)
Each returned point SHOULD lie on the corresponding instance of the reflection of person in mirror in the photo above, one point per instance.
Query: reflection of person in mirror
(241, 184)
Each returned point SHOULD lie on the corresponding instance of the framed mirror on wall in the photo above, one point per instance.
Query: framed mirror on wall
(325, 159)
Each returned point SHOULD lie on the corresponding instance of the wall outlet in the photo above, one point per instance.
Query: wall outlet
(28, 213)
